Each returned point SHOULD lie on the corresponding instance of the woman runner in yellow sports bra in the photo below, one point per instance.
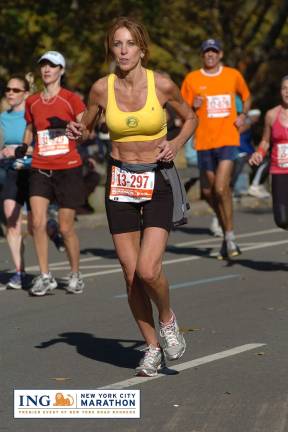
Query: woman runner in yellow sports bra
(139, 202)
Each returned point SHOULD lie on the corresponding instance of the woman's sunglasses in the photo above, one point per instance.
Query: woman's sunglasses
(14, 90)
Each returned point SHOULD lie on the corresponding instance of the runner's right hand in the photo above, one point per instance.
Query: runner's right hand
(197, 102)
(256, 158)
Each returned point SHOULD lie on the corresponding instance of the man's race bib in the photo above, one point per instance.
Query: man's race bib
(282, 155)
(52, 142)
(218, 106)
(130, 186)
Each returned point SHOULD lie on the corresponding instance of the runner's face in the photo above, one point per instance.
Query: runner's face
(212, 58)
(126, 53)
(15, 98)
(284, 92)
(50, 73)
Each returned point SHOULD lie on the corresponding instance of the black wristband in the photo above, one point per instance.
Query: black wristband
(21, 151)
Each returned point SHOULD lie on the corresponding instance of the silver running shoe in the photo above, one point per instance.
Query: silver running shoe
(75, 283)
(151, 363)
(174, 344)
(43, 285)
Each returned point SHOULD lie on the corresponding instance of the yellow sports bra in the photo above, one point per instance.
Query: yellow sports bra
(146, 124)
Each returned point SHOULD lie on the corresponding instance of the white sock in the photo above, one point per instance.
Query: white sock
(229, 235)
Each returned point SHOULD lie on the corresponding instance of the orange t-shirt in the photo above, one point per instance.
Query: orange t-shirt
(217, 113)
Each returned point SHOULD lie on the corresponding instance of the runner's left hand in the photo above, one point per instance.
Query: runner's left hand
(167, 152)
(240, 120)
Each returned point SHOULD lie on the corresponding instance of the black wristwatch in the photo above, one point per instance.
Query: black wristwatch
(21, 151)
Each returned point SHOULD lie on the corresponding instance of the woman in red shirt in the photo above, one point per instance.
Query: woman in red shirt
(56, 173)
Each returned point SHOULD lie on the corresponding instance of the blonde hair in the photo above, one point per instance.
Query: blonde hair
(138, 32)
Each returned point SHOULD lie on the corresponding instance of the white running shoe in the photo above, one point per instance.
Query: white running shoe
(42, 285)
(151, 363)
(258, 191)
(75, 283)
(174, 344)
(215, 227)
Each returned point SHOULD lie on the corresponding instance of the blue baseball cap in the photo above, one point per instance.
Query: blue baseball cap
(211, 44)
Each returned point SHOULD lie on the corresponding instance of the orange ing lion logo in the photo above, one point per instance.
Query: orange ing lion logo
(60, 400)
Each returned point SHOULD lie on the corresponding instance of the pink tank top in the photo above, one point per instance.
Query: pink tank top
(279, 155)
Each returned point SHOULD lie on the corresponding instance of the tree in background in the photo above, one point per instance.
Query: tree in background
(253, 31)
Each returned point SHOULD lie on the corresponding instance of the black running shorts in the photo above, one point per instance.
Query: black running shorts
(65, 187)
(16, 187)
(128, 217)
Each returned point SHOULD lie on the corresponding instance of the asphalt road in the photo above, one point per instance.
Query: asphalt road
(233, 376)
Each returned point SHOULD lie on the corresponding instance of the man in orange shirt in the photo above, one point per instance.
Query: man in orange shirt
(211, 92)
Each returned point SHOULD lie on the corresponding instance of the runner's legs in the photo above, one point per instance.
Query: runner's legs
(142, 267)
(13, 215)
(149, 269)
(66, 218)
(280, 200)
(223, 193)
(217, 191)
(127, 247)
(39, 207)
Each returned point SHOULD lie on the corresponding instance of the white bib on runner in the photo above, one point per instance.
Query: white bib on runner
(282, 155)
(130, 186)
(219, 106)
(52, 142)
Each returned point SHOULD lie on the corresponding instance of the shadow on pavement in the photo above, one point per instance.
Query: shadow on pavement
(193, 230)
(102, 350)
(203, 252)
(267, 266)
(105, 253)
(257, 210)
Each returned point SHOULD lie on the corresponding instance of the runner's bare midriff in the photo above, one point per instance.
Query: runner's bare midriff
(136, 152)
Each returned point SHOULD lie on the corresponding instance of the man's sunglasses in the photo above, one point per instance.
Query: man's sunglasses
(14, 90)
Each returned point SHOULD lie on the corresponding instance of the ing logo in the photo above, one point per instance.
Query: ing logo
(60, 400)
(132, 122)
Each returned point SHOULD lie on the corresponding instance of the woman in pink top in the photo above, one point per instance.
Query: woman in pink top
(276, 134)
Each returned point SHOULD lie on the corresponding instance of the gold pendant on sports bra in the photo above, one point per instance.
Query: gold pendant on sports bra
(132, 122)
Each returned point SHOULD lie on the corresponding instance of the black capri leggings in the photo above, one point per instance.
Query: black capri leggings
(280, 200)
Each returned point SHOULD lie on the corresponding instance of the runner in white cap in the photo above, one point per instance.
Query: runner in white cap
(56, 173)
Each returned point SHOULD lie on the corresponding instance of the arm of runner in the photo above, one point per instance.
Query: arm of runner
(84, 124)
(258, 156)
(240, 120)
(8, 151)
(169, 149)
(21, 150)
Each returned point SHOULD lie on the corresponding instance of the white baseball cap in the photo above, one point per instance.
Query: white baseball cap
(54, 57)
